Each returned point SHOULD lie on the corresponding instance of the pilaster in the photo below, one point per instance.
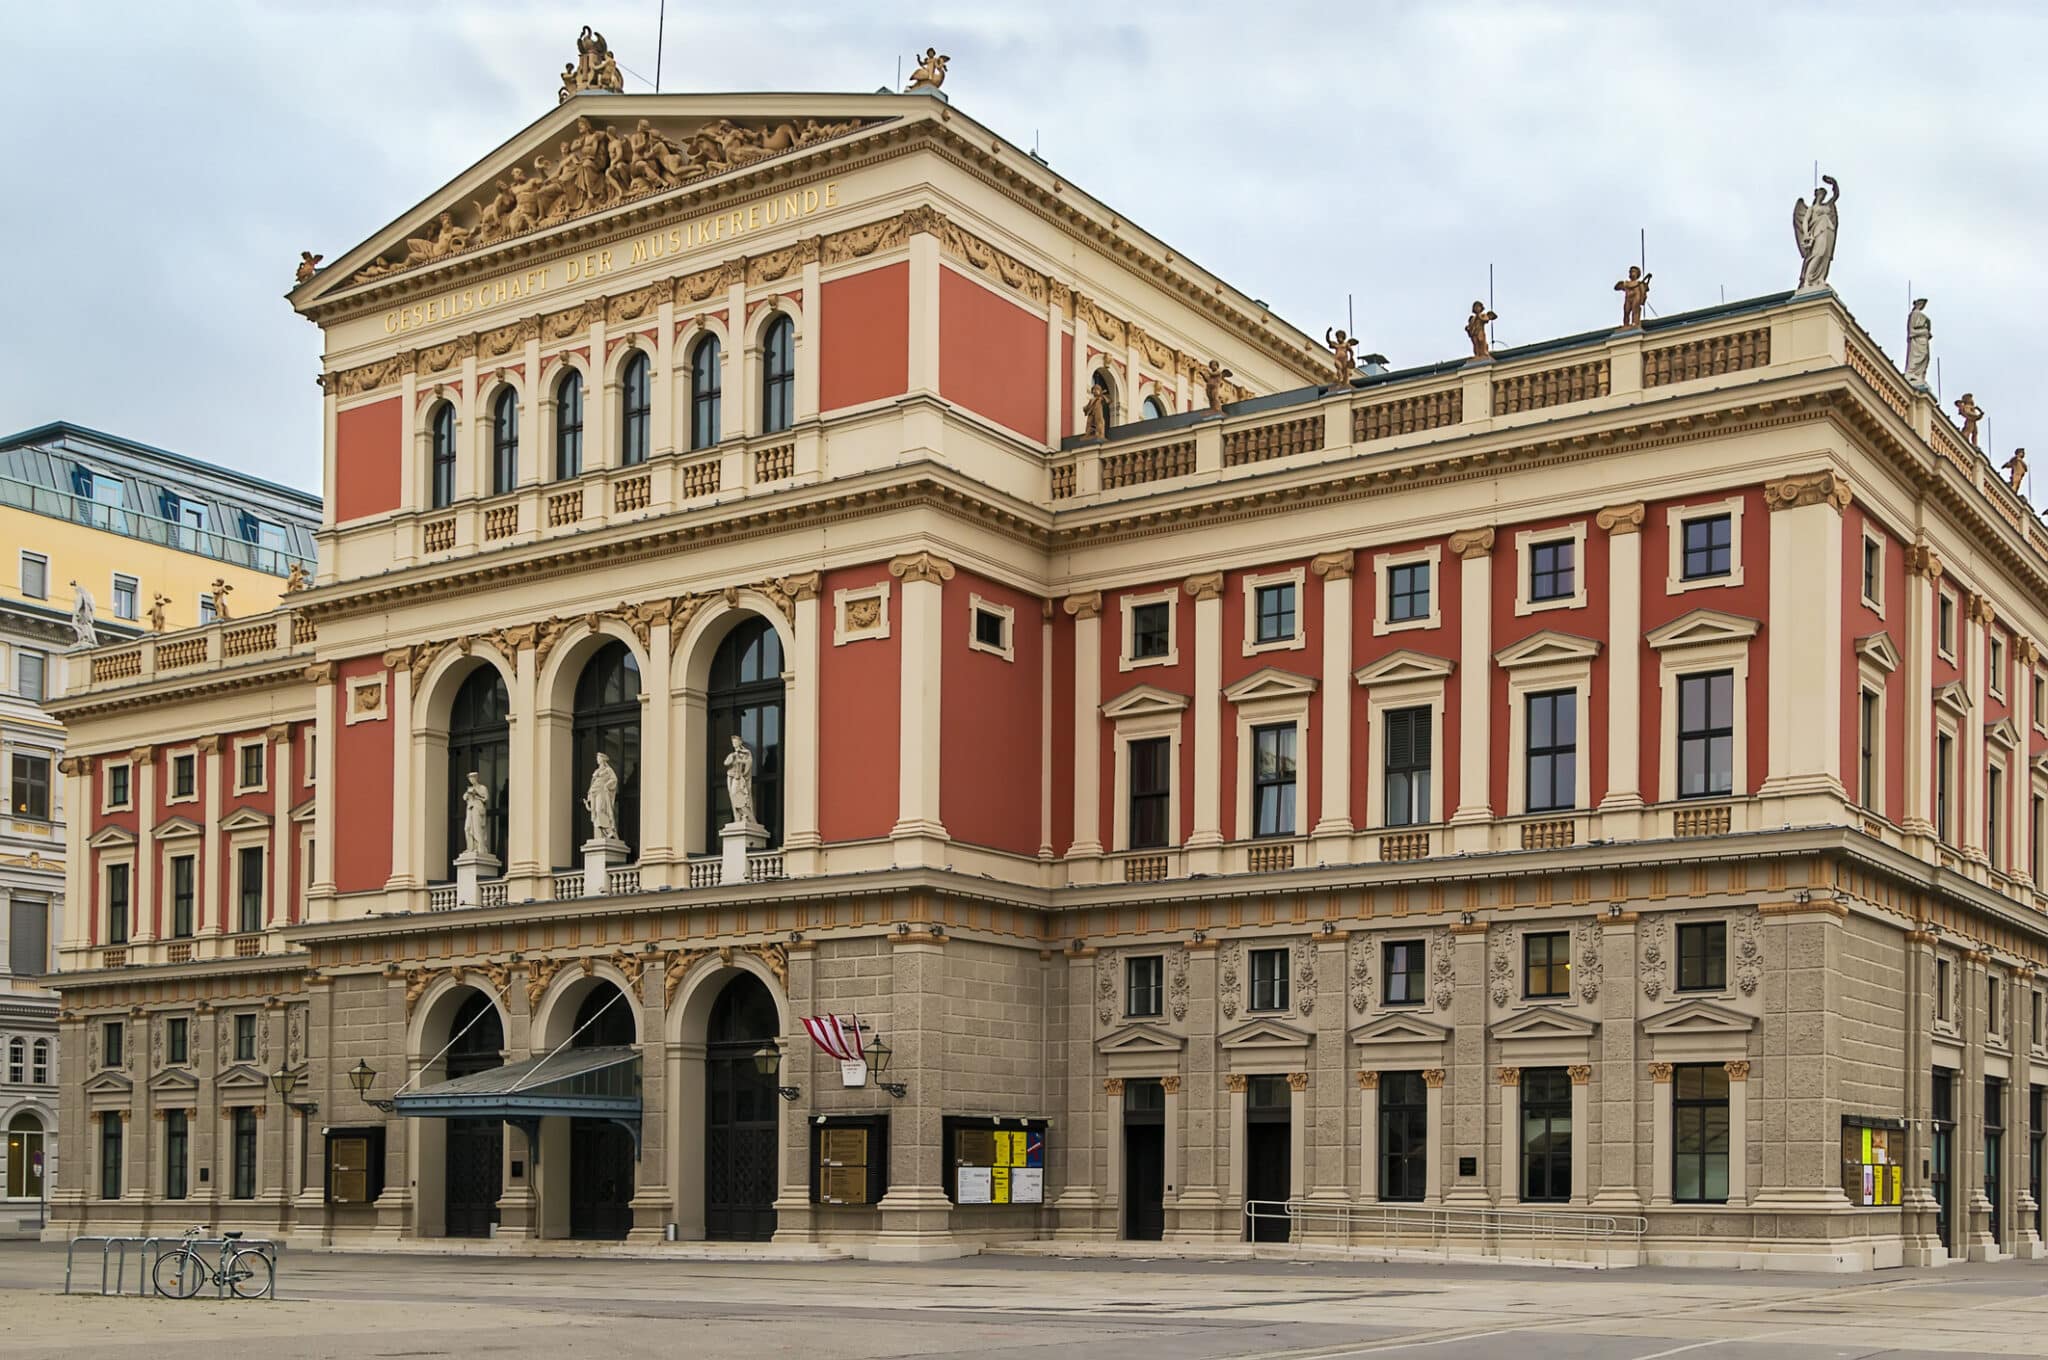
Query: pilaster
(1468, 1065)
(1805, 641)
(800, 838)
(1206, 836)
(923, 576)
(1336, 571)
(1618, 1079)
(1086, 611)
(1923, 573)
(1080, 1197)
(1474, 550)
(1621, 806)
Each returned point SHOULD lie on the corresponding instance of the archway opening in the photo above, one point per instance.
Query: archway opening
(476, 1147)
(744, 699)
(25, 1156)
(606, 721)
(600, 1150)
(479, 742)
(742, 1118)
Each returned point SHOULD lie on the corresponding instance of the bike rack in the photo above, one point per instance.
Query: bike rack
(114, 1252)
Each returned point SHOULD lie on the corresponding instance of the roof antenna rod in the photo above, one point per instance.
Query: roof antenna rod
(1350, 315)
(1643, 263)
(660, 37)
(1491, 339)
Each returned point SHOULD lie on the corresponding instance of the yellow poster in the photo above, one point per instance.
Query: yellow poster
(1898, 1183)
(1866, 1147)
(999, 1185)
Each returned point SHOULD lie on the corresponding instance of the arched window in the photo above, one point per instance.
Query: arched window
(40, 1073)
(569, 426)
(504, 442)
(444, 455)
(479, 739)
(704, 393)
(778, 375)
(1153, 409)
(607, 719)
(745, 700)
(604, 1020)
(24, 1177)
(17, 1060)
(634, 411)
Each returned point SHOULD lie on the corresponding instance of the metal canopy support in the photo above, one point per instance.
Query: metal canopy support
(583, 1083)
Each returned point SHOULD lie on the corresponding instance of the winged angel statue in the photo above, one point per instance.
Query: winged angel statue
(1813, 227)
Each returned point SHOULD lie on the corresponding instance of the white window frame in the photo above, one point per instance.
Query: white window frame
(844, 632)
(1168, 596)
(106, 785)
(1945, 647)
(1997, 659)
(1530, 538)
(312, 749)
(171, 759)
(263, 744)
(2002, 862)
(1871, 675)
(1383, 565)
(2037, 694)
(114, 596)
(1536, 676)
(1156, 715)
(977, 606)
(209, 612)
(1872, 538)
(1950, 726)
(1296, 577)
(1675, 520)
(1403, 680)
(122, 852)
(1725, 649)
(21, 580)
(1271, 699)
(255, 837)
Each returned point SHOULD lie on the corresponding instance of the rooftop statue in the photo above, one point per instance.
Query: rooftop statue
(595, 68)
(308, 262)
(1972, 413)
(1095, 411)
(1475, 330)
(1814, 229)
(1919, 339)
(1216, 384)
(220, 598)
(297, 580)
(1635, 293)
(2016, 469)
(1343, 353)
(156, 612)
(931, 71)
(84, 624)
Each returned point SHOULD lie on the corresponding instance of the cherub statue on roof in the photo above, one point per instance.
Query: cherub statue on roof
(1343, 354)
(931, 71)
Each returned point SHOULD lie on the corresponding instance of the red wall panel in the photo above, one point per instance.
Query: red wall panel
(991, 739)
(864, 337)
(859, 719)
(369, 446)
(1178, 678)
(1588, 621)
(991, 355)
(364, 779)
(1306, 660)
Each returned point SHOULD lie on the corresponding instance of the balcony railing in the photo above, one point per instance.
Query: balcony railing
(277, 634)
(147, 528)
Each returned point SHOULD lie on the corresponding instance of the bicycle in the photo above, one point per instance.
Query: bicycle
(182, 1273)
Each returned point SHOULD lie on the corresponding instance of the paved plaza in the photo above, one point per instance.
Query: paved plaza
(1000, 1308)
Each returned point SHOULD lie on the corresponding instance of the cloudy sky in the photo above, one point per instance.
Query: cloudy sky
(168, 161)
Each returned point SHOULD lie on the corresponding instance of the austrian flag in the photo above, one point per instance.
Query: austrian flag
(838, 1036)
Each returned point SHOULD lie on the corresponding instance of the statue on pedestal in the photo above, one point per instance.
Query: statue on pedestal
(1215, 380)
(1635, 291)
(931, 71)
(739, 783)
(1475, 330)
(156, 612)
(1095, 411)
(1919, 339)
(2016, 470)
(602, 800)
(84, 627)
(476, 838)
(1814, 229)
(1971, 412)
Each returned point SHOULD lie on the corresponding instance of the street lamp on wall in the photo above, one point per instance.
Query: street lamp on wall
(880, 1055)
(768, 1062)
(363, 1076)
(284, 1082)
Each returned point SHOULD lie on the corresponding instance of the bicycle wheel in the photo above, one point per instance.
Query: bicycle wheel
(250, 1274)
(179, 1275)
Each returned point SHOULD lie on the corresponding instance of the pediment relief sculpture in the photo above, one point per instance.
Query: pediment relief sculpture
(599, 167)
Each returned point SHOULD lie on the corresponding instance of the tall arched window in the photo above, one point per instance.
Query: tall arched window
(569, 426)
(705, 392)
(444, 455)
(479, 739)
(635, 411)
(778, 375)
(607, 719)
(745, 700)
(504, 442)
(1153, 409)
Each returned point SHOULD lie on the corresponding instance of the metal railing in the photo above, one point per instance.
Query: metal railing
(1482, 1232)
(149, 528)
(115, 1251)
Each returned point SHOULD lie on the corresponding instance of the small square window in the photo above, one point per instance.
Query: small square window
(1707, 545)
(1143, 993)
(1703, 957)
(1151, 630)
(991, 630)
(1552, 570)
(118, 777)
(31, 670)
(245, 1038)
(35, 576)
(249, 765)
(1402, 963)
(127, 594)
(1269, 979)
(177, 1041)
(111, 1037)
(1275, 612)
(1408, 592)
(1547, 964)
(185, 775)
(28, 794)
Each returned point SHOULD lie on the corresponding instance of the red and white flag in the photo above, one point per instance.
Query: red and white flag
(838, 1036)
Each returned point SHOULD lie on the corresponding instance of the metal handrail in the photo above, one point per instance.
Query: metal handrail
(1435, 1228)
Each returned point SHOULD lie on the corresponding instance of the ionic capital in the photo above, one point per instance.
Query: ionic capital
(1087, 606)
(1817, 488)
(923, 566)
(1471, 543)
(1621, 519)
(1336, 566)
(1207, 586)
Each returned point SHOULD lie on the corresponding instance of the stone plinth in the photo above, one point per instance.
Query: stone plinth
(472, 867)
(600, 853)
(739, 838)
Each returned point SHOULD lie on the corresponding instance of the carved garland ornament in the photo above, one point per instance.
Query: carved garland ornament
(1305, 977)
(1361, 974)
(1749, 951)
(1501, 970)
(1232, 961)
(1177, 985)
(1586, 944)
(1650, 965)
(1443, 977)
(1105, 988)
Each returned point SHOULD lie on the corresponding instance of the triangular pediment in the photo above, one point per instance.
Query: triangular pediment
(1699, 1017)
(1700, 628)
(1140, 1039)
(1400, 1027)
(1540, 649)
(1404, 665)
(1877, 649)
(1955, 697)
(1543, 1022)
(2004, 733)
(306, 811)
(1144, 701)
(108, 836)
(691, 143)
(242, 1077)
(174, 1081)
(113, 1081)
(245, 819)
(176, 829)
(1264, 1034)
(1270, 682)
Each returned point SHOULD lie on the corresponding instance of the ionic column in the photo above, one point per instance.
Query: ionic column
(1923, 573)
(800, 753)
(1510, 1082)
(322, 674)
(1582, 1138)
(917, 802)
(279, 750)
(1805, 639)
(1087, 614)
(1335, 569)
(1433, 1114)
(1055, 328)
(1368, 1137)
(1474, 550)
(1206, 838)
(1977, 615)
(1624, 526)
(146, 908)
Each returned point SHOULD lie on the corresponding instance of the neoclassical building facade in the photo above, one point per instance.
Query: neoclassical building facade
(1606, 777)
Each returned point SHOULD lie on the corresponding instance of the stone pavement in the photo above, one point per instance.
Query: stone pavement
(1017, 1308)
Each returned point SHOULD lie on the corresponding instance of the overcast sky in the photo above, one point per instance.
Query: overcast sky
(167, 161)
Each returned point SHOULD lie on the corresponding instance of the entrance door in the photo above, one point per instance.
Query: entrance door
(1269, 1154)
(741, 1115)
(600, 1179)
(1144, 1176)
(474, 1174)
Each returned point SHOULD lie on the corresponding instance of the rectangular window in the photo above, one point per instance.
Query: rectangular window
(1408, 746)
(245, 1038)
(118, 777)
(1273, 782)
(177, 1041)
(184, 885)
(1993, 1012)
(1269, 979)
(117, 904)
(1873, 564)
(1404, 1137)
(1941, 976)
(1866, 748)
(185, 776)
(1707, 543)
(1944, 757)
(29, 787)
(1699, 1134)
(249, 897)
(1143, 994)
(244, 1184)
(1276, 612)
(1994, 808)
(1706, 735)
(110, 1155)
(249, 765)
(111, 1035)
(1551, 570)
(1945, 624)
(2034, 830)
(31, 672)
(207, 613)
(127, 597)
(1994, 1150)
(1402, 963)
(2039, 707)
(1941, 1150)
(28, 940)
(1546, 1135)
(1997, 676)
(991, 630)
(177, 1153)
(1703, 957)
(1151, 630)
(1151, 773)
(1408, 592)
(1547, 964)
(35, 576)
(1553, 755)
